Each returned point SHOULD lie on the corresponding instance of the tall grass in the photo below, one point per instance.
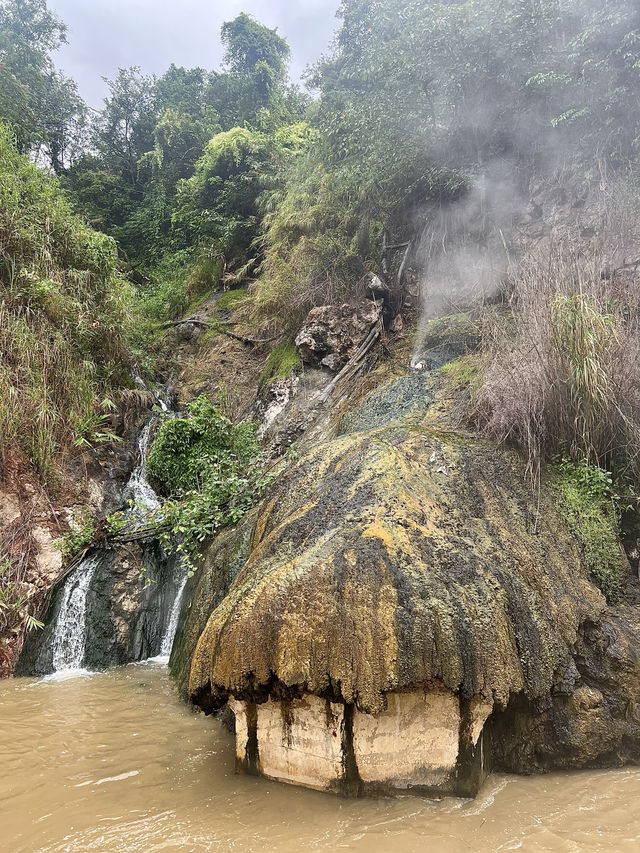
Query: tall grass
(561, 372)
(63, 316)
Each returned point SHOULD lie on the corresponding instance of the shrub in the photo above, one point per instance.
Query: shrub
(81, 534)
(209, 468)
(586, 497)
(192, 451)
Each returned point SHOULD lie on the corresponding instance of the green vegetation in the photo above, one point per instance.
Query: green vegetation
(41, 104)
(189, 452)
(231, 300)
(181, 161)
(282, 362)
(63, 318)
(210, 471)
(463, 373)
(587, 499)
(14, 602)
(82, 533)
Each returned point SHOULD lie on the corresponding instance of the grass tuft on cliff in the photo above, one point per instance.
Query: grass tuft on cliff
(560, 370)
(280, 364)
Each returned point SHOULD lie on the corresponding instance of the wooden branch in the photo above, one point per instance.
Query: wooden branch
(250, 341)
(191, 321)
(354, 361)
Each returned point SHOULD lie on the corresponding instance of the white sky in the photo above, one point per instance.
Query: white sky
(107, 34)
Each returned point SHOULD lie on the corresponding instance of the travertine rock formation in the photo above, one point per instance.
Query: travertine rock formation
(404, 591)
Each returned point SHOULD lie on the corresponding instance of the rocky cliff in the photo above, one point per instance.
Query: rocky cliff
(406, 611)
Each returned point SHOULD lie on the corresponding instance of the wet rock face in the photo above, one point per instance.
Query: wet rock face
(221, 560)
(332, 334)
(404, 559)
(397, 557)
(128, 603)
(594, 724)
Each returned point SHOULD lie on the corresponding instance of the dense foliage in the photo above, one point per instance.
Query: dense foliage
(231, 175)
(179, 161)
(42, 106)
(63, 316)
(419, 100)
(208, 469)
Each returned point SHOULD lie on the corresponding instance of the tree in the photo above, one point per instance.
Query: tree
(42, 106)
(218, 204)
(248, 45)
(64, 123)
(124, 128)
(252, 89)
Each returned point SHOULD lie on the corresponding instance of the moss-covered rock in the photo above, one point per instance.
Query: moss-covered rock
(396, 557)
(281, 363)
(585, 497)
(398, 399)
(444, 339)
(220, 562)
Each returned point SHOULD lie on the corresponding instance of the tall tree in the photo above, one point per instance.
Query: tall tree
(42, 106)
(124, 128)
(253, 89)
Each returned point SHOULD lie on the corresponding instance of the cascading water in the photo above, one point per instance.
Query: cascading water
(172, 626)
(84, 610)
(69, 638)
(144, 497)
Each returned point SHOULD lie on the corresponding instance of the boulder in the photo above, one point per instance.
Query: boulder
(332, 334)
(406, 594)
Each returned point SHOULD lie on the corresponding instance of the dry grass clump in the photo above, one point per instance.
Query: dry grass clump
(561, 371)
(18, 598)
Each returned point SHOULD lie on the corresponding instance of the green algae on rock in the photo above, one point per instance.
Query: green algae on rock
(408, 604)
(395, 558)
(220, 561)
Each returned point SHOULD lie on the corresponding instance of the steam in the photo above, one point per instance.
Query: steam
(463, 252)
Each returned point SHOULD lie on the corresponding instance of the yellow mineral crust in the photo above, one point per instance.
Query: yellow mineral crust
(393, 558)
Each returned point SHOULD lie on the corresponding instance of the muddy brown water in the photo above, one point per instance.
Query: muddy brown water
(113, 762)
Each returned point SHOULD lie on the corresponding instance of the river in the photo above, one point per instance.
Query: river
(114, 762)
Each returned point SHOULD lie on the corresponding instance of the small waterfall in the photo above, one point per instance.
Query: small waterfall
(157, 394)
(145, 499)
(172, 626)
(67, 643)
(69, 638)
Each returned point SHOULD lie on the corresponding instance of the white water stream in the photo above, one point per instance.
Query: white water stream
(69, 637)
(144, 497)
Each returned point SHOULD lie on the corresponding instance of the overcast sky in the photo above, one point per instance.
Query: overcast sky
(107, 34)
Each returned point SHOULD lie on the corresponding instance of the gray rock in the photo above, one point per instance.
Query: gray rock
(332, 334)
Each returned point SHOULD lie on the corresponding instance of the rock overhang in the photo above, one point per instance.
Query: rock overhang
(394, 558)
